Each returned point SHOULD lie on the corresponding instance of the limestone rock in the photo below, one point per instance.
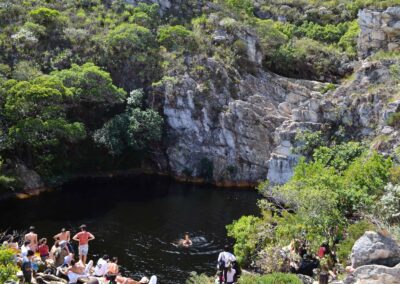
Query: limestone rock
(374, 248)
(374, 274)
(379, 31)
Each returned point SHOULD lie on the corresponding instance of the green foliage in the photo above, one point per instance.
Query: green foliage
(348, 42)
(176, 38)
(274, 278)
(306, 58)
(199, 279)
(90, 84)
(244, 231)
(307, 141)
(328, 33)
(135, 128)
(339, 156)
(394, 120)
(388, 206)
(354, 232)
(8, 268)
(241, 6)
(328, 87)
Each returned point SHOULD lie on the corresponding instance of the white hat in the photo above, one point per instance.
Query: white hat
(144, 280)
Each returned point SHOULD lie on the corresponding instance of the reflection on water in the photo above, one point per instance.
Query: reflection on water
(138, 220)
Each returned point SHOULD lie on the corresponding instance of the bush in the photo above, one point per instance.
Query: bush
(274, 278)
(307, 59)
(199, 279)
(394, 120)
(176, 38)
(388, 206)
(8, 268)
(244, 231)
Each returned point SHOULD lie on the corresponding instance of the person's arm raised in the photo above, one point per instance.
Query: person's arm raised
(75, 238)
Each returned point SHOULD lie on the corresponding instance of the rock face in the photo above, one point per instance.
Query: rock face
(379, 31)
(236, 131)
(236, 125)
(30, 179)
(374, 274)
(373, 248)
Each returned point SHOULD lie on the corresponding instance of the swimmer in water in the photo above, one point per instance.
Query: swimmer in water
(186, 241)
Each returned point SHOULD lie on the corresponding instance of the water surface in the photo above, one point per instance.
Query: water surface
(137, 220)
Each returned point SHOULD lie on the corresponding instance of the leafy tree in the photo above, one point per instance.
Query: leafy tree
(176, 38)
(88, 83)
(135, 128)
(35, 117)
(131, 57)
(244, 231)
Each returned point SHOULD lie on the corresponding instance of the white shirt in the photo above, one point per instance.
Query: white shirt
(226, 257)
(24, 250)
(101, 267)
(230, 275)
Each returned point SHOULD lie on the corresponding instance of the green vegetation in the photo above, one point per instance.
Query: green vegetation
(274, 278)
(8, 268)
(320, 202)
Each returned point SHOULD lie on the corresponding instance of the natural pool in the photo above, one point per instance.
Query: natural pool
(137, 219)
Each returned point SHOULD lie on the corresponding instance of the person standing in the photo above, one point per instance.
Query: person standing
(27, 266)
(33, 238)
(64, 235)
(43, 249)
(225, 258)
(83, 238)
(230, 275)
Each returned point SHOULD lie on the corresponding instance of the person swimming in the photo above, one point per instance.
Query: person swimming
(186, 241)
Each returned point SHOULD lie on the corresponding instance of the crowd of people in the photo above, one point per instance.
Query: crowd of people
(35, 255)
(60, 260)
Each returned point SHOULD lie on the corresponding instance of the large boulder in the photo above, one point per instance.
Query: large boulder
(374, 248)
(374, 274)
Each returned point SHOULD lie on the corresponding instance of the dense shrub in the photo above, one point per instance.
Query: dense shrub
(176, 38)
(8, 268)
(274, 278)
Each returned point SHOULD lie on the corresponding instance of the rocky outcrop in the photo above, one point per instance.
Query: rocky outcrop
(238, 128)
(374, 248)
(29, 179)
(374, 274)
(379, 31)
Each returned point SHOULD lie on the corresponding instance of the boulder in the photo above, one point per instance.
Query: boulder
(29, 178)
(374, 274)
(374, 248)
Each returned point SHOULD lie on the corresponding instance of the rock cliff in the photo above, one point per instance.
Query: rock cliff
(379, 31)
(234, 126)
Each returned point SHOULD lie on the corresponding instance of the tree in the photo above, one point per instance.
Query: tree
(131, 55)
(136, 128)
(176, 38)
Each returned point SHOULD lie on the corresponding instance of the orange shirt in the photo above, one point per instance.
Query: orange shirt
(83, 238)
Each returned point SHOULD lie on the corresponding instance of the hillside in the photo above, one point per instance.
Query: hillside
(202, 90)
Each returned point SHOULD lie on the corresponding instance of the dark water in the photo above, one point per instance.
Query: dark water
(137, 219)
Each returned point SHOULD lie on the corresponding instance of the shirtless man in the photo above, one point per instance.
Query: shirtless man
(33, 238)
(64, 235)
(83, 237)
